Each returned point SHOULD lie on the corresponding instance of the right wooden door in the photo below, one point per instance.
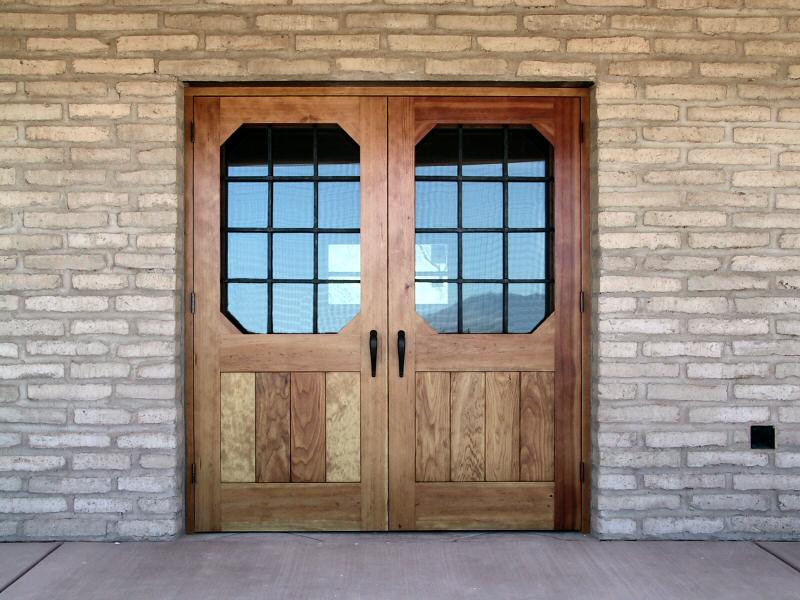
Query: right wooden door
(484, 313)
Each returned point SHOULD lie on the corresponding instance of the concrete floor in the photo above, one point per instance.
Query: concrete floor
(500, 566)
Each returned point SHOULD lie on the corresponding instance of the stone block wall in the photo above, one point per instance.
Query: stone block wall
(696, 246)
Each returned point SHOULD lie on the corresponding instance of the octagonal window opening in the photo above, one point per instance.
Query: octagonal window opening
(484, 228)
(290, 229)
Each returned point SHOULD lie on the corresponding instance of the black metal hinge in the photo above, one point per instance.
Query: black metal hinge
(581, 301)
(583, 471)
(192, 302)
(191, 132)
(194, 474)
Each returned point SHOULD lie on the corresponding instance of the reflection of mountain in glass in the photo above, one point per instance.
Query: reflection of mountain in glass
(484, 313)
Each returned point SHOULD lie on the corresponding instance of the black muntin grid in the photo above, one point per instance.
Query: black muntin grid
(505, 179)
(270, 229)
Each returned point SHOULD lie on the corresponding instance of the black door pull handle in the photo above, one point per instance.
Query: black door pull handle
(401, 350)
(373, 351)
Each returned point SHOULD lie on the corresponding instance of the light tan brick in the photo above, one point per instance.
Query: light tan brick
(640, 112)
(652, 23)
(715, 26)
(197, 22)
(538, 68)
(518, 44)
(740, 70)
(694, 47)
(772, 48)
(208, 67)
(733, 156)
(572, 22)
(339, 43)
(25, 21)
(429, 43)
(68, 134)
(156, 43)
(65, 45)
(609, 45)
(380, 65)
(683, 134)
(111, 66)
(729, 113)
(115, 21)
(224, 43)
(478, 23)
(99, 111)
(29, 112)
(10, 66)
(677, 91)
(387, 21)
(278, 22)
(651, 68)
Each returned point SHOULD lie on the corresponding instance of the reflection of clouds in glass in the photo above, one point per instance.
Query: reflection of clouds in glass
(344, 261)
(436, 255)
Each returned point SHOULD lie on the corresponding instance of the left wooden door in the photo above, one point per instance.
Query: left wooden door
(290, 378)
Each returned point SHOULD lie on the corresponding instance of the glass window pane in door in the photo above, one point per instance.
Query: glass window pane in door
(292, 204)
(248, 204)
(437, 256)
(483, 308)
(292, 308)
(248, 256)
(293, 256)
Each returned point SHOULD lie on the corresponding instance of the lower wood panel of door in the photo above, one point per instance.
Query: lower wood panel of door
(291, 507)
(484, 505)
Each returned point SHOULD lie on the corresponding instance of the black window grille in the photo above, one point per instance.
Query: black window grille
(266, 157)
(449, 158)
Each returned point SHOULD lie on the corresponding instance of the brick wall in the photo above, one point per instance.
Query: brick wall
(696, 177)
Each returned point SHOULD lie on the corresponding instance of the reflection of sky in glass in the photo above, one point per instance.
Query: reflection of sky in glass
(293, 255)
(483, 307)
(293, 204)
(482, 204)
(339, 256)
(293, 310)
(248, 255)
(248, 303)
(339, 204)
(526, 255)
(437, 204)
(527, 204)
(247, 204)
(526, 306)
(483, 255)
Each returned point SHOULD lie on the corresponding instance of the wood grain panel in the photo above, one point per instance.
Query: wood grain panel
(292, 352)
(237, 424)
(467, 426)
(486, 352)
(484, 506)
(343, 427)
(288, 506)
(273, 437)
(502, 426)
(308, 427)
(433, 427)
(536, 427)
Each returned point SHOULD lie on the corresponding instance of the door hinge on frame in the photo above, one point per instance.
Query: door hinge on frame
(194, 473)
(583, 471)
(192, 302)
(581, 301)
(191, 131)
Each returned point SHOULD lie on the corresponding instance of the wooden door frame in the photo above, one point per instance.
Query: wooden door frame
(319, 89)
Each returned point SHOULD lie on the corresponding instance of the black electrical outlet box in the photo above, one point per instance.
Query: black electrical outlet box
(762, 437)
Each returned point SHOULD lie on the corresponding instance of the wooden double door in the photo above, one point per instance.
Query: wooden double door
(385, 329)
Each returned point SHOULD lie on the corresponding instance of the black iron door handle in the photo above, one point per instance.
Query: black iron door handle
(401, 350)
(373, 351)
